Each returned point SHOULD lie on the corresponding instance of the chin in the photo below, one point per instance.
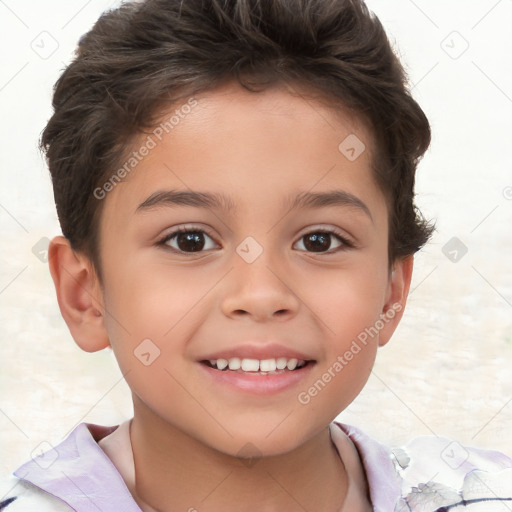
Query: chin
(270, 441)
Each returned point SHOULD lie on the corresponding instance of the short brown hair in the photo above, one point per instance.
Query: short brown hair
(145, 54)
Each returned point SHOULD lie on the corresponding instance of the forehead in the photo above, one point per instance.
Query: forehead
(282, 109)
(281, 138)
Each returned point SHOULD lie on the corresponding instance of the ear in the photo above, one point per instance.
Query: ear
(79, 295)
(398, 289)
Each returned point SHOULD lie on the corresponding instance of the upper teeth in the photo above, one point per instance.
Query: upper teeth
(254, 365)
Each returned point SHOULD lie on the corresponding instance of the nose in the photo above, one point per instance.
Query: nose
(260, 292)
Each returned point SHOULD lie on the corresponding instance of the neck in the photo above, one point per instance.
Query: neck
(174, 471)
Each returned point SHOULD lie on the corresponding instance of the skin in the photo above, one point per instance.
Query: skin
(260, 150)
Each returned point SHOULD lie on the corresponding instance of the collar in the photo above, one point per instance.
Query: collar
(78, 472)
(383, 480)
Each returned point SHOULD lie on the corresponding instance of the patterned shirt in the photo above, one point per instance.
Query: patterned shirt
(429, 474)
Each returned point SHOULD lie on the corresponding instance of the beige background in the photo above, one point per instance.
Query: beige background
(448, 369)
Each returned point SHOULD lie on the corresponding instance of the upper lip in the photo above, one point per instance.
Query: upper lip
(258, 351)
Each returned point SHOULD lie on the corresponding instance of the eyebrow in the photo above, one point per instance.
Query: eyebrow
(331, 198)
(222, 202)
(186, 198)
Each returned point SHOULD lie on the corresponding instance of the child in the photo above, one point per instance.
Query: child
(235, 185)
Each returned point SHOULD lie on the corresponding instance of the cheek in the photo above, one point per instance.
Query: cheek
(346, 301)
(154, 298)
(339, 379)
(348, 306)
(351, 379)
(154, 309)
(148, 331)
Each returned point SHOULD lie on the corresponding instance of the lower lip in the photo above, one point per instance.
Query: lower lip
(258, 384)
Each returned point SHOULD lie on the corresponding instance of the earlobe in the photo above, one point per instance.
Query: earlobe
(396, 298)
(79, 295)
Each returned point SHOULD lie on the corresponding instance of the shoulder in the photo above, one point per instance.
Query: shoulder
(441, 474)
(434, 474)
(18, 495)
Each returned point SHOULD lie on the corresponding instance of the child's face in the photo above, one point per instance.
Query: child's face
(303, 296)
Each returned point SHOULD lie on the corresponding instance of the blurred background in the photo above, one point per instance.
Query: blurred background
(448, 369)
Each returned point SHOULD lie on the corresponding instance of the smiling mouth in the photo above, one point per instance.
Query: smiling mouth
(256, 366)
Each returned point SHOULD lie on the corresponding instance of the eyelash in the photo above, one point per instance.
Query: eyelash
(189, 229)
(345, 242)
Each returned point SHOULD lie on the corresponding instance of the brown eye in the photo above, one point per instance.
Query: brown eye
(321, 241)
(189, 241)
(317, 242)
